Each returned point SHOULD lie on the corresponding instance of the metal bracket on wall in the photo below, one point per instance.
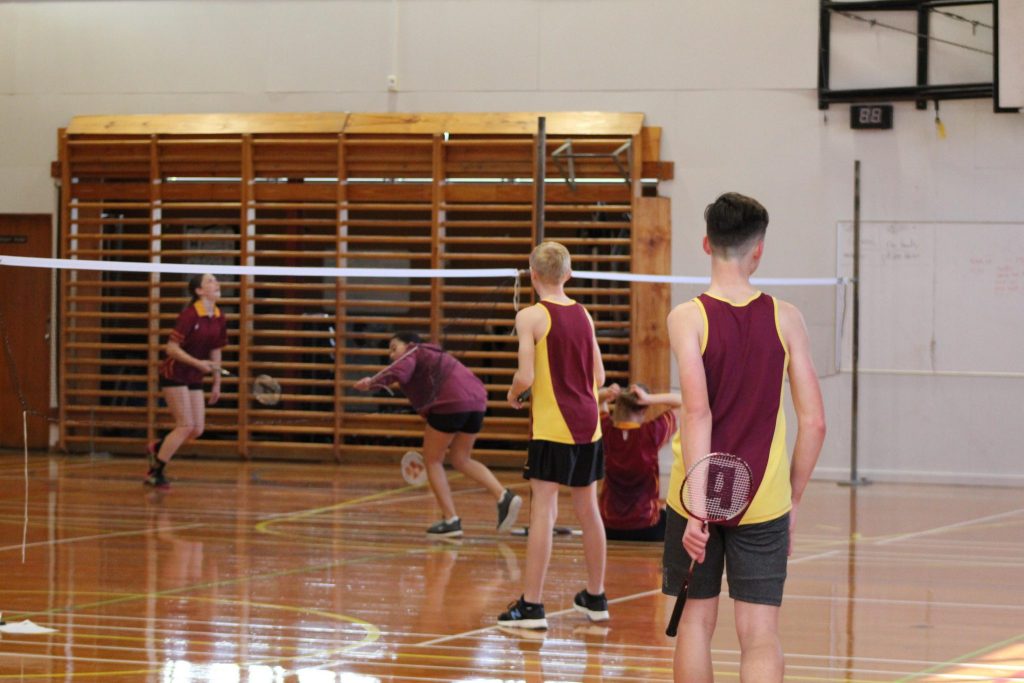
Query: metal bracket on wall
(564, 158)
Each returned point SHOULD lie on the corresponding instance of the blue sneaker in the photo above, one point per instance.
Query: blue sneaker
(522, 614)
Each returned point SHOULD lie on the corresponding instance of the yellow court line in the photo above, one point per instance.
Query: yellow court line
(77, 674)
(264, 526)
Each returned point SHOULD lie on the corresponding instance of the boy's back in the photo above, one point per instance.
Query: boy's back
(564, 404)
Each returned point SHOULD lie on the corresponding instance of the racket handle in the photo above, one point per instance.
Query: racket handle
(677, 613)
(677, 610)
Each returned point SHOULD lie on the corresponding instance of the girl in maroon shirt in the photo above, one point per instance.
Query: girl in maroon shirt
(193, 350)
(629, 499)
(452, 400)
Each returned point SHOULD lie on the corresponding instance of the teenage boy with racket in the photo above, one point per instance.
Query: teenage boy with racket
(733, 346)
(560, 363)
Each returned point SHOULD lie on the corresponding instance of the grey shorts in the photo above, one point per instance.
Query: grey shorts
(753, 555)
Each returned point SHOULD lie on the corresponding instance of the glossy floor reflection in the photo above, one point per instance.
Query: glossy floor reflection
(310, 573)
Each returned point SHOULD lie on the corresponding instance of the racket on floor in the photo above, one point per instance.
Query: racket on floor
(716, 489)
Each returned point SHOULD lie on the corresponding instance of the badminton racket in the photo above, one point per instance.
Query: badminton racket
(716, 489)
(414, 471)
(265, 389)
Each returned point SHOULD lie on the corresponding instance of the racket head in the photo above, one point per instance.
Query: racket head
(414, 471)
(718, 487)
(266, 390)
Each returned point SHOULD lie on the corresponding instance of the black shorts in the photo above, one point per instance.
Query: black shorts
(754, 555)
(564, 463)
(450, 423)
(164, 382)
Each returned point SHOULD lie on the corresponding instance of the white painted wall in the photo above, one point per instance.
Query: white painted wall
(731, 82)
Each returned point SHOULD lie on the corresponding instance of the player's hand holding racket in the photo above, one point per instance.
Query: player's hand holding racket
(518, 401)
(716, 489)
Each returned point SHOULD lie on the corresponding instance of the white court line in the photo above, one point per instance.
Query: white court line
(626, 598)
(908, 603)
(571, 610)
(59, 657)
(948, 527)
(77, 539)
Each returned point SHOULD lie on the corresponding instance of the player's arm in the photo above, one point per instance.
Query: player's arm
(606, 394)
(668, 398)
(215, 358)
(685, 330)
(807, 404)
(599, 374)
(398, 372)
(528, 321)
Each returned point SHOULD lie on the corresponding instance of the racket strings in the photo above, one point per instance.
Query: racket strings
(716, 489)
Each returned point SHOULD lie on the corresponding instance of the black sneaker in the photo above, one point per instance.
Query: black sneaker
(156, 479)
(594, 606)
(446, 529)
(522, 614)
(151, 455)
(508, 510)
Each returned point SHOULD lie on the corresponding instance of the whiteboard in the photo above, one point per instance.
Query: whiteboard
(937, 297)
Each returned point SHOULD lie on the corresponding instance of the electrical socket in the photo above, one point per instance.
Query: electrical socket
(392, 82)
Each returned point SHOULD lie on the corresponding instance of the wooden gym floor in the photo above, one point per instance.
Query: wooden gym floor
(310, 573)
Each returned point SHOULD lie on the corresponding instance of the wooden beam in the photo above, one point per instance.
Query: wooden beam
(577, 123)
(207, 124)
(652, 253)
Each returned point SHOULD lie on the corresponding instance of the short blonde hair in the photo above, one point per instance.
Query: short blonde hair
(551, 261)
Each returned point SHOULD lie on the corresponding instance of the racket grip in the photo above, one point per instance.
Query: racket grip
(677, 612)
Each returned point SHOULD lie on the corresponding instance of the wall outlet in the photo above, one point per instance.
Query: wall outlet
(392, 82)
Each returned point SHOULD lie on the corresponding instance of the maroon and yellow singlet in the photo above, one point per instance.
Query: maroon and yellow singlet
(563, 406)
(745, 361)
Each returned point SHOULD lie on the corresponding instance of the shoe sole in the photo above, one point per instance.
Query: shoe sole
(447, 534)
(513, 512)
(593, 615)
(534, 624)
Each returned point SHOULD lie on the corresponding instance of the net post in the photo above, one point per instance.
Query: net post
(540, 172)
(855, 480)
(24, 527)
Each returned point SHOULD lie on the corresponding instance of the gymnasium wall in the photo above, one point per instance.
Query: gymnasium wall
(732, 84)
